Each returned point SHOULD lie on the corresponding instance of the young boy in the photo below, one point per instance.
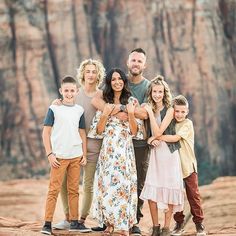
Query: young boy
(64, 140)
(185, 135)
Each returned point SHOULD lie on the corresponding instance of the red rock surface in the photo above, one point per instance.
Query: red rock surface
(22, 209)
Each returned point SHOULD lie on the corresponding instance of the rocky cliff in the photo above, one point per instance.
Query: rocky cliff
(191, 42)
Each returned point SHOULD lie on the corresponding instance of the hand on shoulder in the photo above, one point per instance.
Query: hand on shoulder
(170, 111)
(99, 94)
(57, 102)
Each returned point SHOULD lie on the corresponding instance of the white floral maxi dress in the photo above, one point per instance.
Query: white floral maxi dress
(115, 178)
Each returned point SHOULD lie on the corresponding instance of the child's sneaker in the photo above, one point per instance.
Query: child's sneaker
(178, 229)
(64, 224)
(77, 226)
(200, 229)
(47, 228)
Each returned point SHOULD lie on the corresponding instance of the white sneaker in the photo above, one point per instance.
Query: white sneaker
(62, 225)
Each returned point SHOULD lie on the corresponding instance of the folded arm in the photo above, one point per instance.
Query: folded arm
(170, 138)
(156, 129)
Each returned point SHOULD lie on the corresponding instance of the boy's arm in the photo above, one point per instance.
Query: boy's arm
(98, 102)
(170, 138)
(46, 139)
(84, 146)
(48, 147)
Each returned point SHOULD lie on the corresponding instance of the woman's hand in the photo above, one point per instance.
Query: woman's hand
(134, 101)
(149, 141)
(156, 143)
(130, 108)
(108, 109)
(153, 141)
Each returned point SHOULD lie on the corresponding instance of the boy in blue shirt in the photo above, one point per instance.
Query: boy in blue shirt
(64, 139)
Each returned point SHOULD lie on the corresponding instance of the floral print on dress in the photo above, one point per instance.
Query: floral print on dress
(116, 179)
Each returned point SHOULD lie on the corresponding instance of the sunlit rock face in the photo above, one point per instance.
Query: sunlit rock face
(191, 42)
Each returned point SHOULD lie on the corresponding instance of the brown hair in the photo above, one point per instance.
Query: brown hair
(68, 79)
(180, 100)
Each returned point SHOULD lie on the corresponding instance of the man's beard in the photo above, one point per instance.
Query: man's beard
(135, 73)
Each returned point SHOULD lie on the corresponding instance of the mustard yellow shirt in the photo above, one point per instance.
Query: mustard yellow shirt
(187, 156)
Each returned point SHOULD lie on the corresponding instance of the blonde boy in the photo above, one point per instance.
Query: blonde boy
(185, 135)
(64, 139)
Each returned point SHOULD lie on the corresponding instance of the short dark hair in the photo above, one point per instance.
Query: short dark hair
(139, 50)
(68, 79)
(180, 100)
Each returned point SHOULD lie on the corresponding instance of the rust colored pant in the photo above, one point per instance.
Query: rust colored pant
(194, 199)
(72, 166)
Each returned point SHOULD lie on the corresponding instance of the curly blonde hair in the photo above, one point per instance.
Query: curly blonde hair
(159, 80)
(99, 68)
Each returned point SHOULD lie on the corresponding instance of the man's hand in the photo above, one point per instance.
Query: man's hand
(123, 116)
(83, 161)
(54, 163)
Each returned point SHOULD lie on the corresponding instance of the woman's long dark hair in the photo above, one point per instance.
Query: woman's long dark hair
(108, 93)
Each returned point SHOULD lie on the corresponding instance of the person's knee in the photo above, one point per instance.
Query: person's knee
(73, 190)
(88, 190)
(53, 192)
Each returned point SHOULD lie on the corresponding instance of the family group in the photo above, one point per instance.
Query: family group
(134, 143)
